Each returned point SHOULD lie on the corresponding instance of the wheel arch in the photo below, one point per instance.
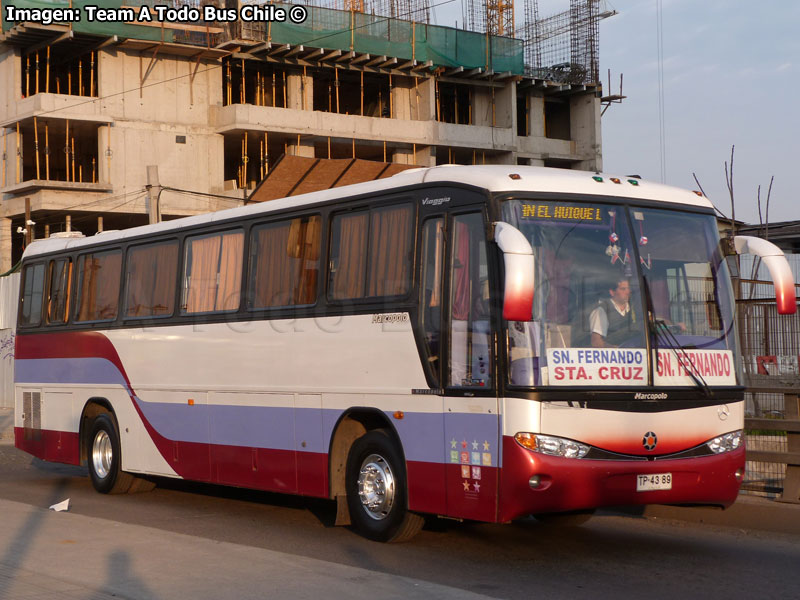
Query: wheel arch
(353, 424)
(94, 406)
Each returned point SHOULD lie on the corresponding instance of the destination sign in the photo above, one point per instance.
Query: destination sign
(628, 366)
(561, 212)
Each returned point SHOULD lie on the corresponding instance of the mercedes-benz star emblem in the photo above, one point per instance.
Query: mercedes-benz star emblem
(650, 440)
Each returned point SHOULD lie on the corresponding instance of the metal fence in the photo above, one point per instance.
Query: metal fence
(770, 345)
(773, 448)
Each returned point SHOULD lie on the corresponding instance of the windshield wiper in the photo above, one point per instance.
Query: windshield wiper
(671, 339)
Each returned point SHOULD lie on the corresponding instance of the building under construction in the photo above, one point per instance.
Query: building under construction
(110, 125)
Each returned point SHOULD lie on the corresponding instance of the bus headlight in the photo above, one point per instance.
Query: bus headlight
(551, 445)
(726, 443)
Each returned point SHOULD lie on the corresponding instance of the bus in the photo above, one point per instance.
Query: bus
(478, 343)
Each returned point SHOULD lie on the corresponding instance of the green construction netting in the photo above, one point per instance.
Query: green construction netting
(330, 29)
(444, 46)
(123, 30)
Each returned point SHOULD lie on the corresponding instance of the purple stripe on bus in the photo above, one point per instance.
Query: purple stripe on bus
(92, 371)
(421, 436)
(476, 434)
(255, 426)
(275, 428)
(279, 428)
(286, 428)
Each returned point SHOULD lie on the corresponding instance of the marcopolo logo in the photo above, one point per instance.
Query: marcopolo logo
(642, 396)
(650, 440)
(390, 318)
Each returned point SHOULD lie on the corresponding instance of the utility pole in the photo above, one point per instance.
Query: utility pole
(153, 194)
(28, 226)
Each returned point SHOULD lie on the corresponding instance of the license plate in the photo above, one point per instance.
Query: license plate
(654, 481)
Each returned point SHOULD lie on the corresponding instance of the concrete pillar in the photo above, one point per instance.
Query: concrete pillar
(402, 97)
(425, 91)
(298, 87)
(5, 245)
(301, 148)
(505, 103)
(536, 116)
(8, 166)
(499, 158)
(423, 156)
(13, 175)
(104, 163)
(585, 131)
(498, 109)
(482, 106)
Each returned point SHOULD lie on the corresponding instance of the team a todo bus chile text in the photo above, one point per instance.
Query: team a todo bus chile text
(148, 14)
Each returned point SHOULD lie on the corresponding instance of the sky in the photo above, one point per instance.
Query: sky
(731, 73)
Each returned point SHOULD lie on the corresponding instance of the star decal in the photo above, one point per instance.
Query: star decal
(474, 445)
(464, 444)
(466, 486)
(477, 486)
(453, 443)
(486, 446)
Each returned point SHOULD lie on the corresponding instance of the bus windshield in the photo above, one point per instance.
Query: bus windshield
(608, 277)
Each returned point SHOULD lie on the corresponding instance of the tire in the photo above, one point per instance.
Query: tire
(105, 458)
(377, 494)
(568, 519)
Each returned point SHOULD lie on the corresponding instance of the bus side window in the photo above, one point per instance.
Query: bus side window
(470, 358)
(431, 313)
(390, 253)
(32, 292)
(99, 275)
(59, 279)
(150, 280)
(213, 272)
(371, 253)
(284, 265)
(348, 255)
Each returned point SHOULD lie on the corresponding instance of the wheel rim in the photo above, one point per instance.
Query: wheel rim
(376, 487)
(102, 454)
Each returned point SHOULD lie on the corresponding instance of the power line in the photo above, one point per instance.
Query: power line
(661, 115)
(55, 211)
(112, 209)
(191, 193)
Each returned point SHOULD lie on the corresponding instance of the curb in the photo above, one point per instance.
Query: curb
(748, 512)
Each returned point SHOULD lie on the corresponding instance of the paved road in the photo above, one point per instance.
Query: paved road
(192, 541)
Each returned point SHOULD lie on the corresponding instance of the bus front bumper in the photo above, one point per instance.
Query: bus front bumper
(534, 483)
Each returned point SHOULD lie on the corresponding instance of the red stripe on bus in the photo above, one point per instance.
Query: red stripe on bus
(72, 344)
(55, 446)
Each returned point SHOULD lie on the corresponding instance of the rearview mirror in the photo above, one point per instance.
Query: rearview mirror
(519, 267)
(775, 261)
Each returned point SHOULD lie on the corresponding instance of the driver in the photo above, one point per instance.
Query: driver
(613, 320)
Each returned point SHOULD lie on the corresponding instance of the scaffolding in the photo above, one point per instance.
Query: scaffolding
(563, 47)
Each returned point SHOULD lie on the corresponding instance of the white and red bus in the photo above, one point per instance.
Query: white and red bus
(429, 343)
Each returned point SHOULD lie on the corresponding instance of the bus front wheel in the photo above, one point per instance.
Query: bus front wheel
(377, 493)
(105, 460)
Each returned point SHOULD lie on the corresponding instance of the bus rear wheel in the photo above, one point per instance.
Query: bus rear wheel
(105, 460)
(377, 492)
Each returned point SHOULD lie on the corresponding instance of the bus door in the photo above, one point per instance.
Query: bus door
(467, 370)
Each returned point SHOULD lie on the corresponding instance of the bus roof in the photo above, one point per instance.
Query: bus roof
(492, 178)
